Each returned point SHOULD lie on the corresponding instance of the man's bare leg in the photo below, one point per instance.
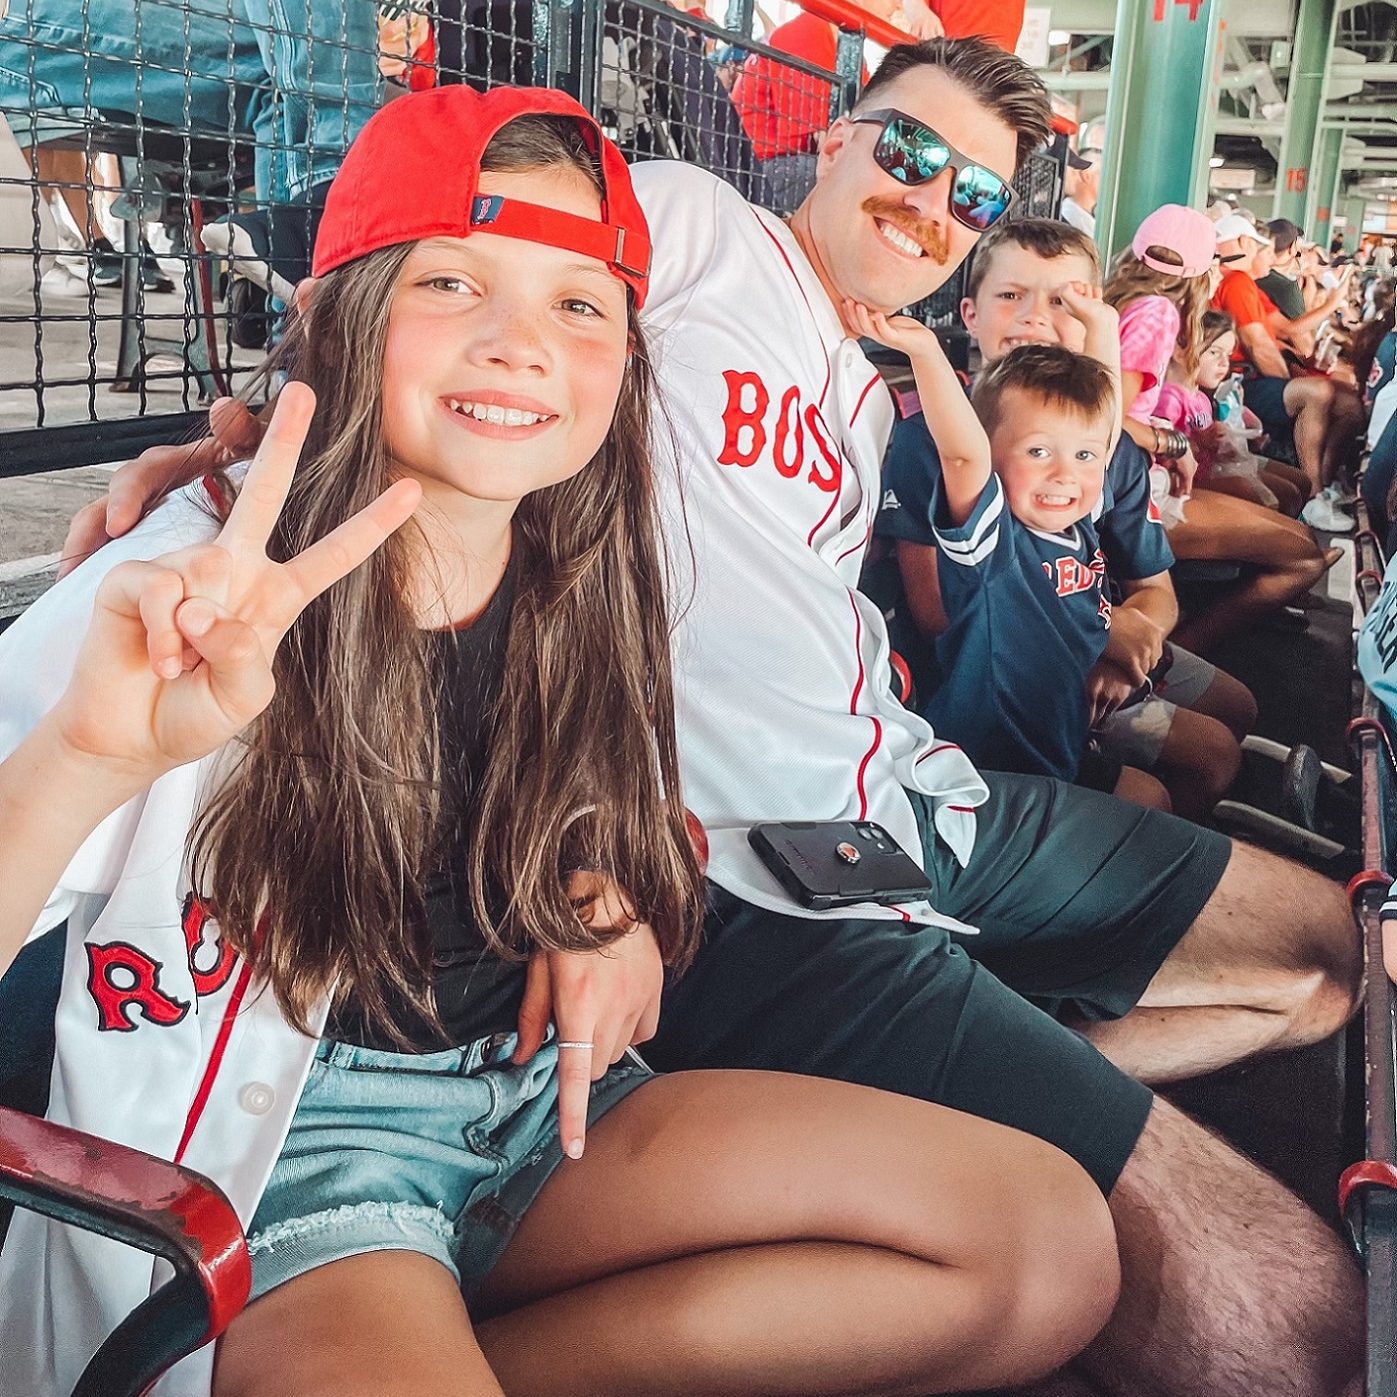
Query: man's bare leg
(1273, 961)
(1230, 1285)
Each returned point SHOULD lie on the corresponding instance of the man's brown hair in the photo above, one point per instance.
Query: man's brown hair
(1047, 238)
(1002, 82)
(1051, 373)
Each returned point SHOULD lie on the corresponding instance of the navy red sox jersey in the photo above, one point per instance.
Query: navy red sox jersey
(1128, 525)
(1028, 615)
(770, 466)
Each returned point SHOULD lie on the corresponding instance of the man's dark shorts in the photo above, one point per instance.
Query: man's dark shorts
(1266, 398)
(1078, 897)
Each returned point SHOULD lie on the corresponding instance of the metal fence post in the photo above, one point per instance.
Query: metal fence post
(848, 63)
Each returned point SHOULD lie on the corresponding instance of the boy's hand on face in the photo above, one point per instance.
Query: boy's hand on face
(1085, 304)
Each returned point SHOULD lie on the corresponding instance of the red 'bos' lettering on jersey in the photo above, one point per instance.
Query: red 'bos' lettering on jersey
(195, 921)
(798, 434)
(125, 982)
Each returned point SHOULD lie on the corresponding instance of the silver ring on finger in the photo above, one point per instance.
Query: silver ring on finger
(574, 1043)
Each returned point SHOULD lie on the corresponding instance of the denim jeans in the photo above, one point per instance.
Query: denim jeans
(298, 77)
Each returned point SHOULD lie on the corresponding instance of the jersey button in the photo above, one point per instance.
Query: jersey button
(257, 1098)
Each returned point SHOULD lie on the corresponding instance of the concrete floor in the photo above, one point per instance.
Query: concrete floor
(75, 340)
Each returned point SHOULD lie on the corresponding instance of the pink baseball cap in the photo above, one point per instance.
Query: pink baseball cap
(1183, 231)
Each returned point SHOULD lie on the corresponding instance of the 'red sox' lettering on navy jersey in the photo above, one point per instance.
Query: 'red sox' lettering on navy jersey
(1028, 617)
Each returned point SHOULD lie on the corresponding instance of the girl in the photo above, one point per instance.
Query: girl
(1186, 404)
(356, 943)
(1160, 287)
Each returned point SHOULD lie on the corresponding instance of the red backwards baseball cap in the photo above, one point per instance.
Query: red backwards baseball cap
(413, 172)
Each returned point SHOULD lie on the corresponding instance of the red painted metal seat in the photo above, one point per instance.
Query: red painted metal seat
(147, 1203)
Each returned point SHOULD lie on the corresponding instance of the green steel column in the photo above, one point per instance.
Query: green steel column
(1355, 207)
(1304, 101)
(1324, 188)
(1166, 74)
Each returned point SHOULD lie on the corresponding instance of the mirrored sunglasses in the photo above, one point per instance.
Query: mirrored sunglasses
(912, 152)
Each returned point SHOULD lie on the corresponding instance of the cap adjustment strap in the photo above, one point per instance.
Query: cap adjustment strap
(624, 250)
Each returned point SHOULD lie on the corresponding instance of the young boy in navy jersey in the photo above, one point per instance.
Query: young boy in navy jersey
(1023, 578)
(1187, 731)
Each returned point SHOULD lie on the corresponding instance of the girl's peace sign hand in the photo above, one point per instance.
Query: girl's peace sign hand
(178, 656)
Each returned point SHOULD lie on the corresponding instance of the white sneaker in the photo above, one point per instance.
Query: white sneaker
(1324, 513)
(60, 280)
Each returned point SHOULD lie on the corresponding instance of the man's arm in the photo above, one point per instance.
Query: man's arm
(1262, 350)
(919, 567)
(1141, 624)
(960, 440)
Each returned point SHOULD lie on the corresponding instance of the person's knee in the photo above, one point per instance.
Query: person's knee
(1231, 703)
(1327, 993)
(1042, 1299)
(1140, 788)
(1217, 759)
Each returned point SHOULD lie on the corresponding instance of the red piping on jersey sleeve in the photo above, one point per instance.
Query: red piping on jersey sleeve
(868, 388)
(854, 708)
(868, 533)
(962, 809)
(940, 747)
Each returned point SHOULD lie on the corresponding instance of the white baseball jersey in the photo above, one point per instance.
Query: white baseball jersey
(784, 690)
(160, 1044)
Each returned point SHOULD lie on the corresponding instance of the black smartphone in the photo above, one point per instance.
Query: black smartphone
(835, 863)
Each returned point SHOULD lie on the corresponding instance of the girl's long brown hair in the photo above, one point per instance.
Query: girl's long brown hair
(1131, 279)
(315, 850)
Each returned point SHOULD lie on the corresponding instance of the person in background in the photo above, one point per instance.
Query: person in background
(999, 21)
(1282, 282)
(1316, 417)
(785, 112)
(1226, 464)
(1081, 185)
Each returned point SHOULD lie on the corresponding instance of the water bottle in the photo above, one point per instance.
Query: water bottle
(1228, 400)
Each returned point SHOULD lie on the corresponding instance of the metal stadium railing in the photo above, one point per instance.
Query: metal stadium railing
(1368, 1190)
(131, 125)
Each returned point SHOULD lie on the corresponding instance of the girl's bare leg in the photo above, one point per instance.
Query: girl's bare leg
(385, 1324)
(1284, 558)
(1241, 487)
(1274, 471)
(753, 1233)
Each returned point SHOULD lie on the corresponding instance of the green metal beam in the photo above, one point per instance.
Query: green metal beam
(1304, 101)
(1355, 207)
(1166, 74)
(1324, 187)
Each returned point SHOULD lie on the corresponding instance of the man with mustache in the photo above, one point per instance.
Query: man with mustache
(1174, 944)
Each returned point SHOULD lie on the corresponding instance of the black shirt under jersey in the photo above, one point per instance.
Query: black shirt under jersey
(476, 993)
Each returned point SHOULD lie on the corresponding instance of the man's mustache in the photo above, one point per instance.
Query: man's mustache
(928, 236)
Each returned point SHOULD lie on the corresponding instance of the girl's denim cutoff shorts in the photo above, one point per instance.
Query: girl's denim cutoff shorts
(439, 1153)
